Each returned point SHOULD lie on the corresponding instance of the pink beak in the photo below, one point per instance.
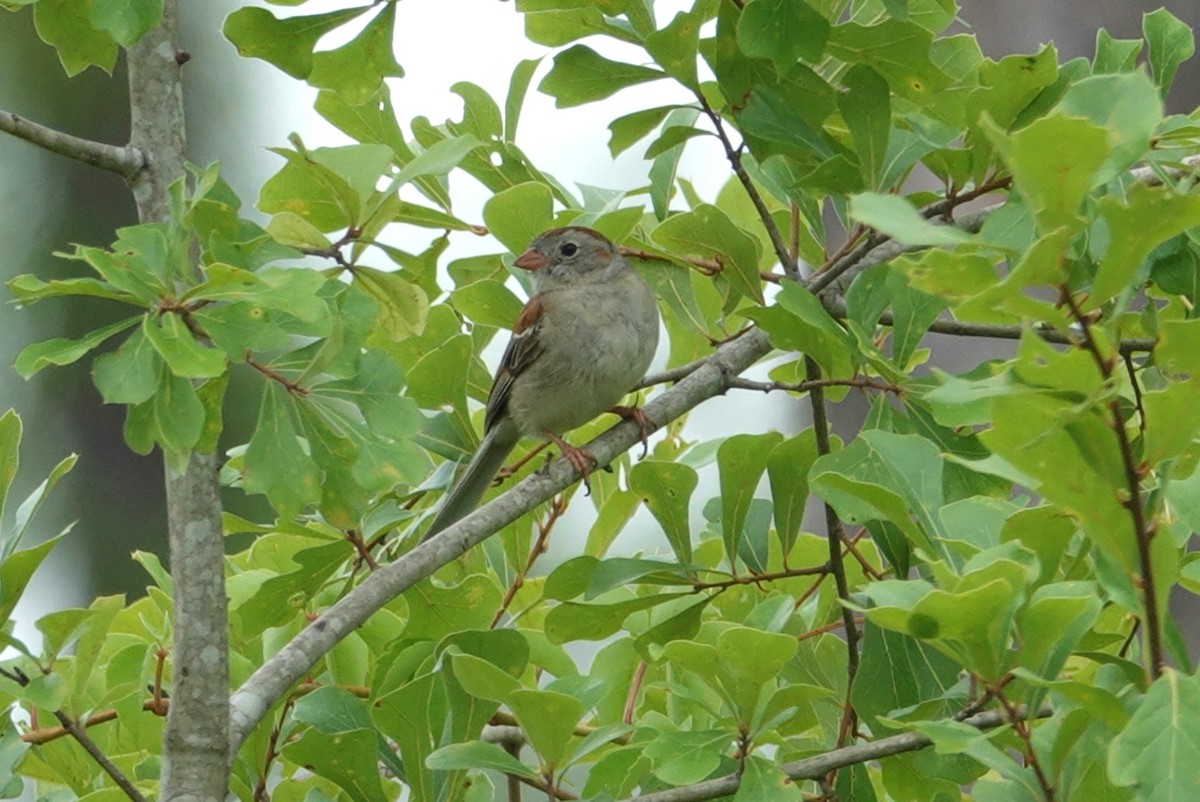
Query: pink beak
(531, 260)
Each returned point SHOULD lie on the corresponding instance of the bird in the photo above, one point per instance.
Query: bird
(584, 340)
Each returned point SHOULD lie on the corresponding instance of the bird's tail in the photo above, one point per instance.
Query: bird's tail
(465, 495)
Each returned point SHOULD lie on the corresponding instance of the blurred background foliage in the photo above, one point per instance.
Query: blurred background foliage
(236, 108)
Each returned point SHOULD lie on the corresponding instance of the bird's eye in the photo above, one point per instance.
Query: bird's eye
(569, 249)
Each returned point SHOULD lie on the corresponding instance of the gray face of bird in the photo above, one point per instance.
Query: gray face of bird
(570, 256)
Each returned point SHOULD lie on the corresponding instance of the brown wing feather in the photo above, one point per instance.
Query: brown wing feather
(522, 350)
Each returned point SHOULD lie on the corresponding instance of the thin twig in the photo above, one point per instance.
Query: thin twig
(80, 734)
(1143, 534)
(1137, 390)
(1022, 730)
(260, 788)
(126, 162)
(790, 266)
(540, 546)
(754, 579)
(292, 387)
(836, 625)
(837, 567)
(363, 550)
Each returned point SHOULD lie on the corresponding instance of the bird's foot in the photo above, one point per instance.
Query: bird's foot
(582, 460)
(643, 421)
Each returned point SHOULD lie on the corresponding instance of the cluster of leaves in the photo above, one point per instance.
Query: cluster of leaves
(1016, 524)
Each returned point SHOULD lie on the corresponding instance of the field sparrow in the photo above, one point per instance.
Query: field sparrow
(582, 342)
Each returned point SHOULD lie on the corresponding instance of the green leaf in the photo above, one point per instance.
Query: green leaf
(1115, 55)
(548, 719)
(1054, 162)
(332, 710)
(179, 349)
(403, 306)
(581, 75)
(437, 159)
(885, 476)
(28, 508)
(294, 231)
(753, 655)
(67, 26)
(788, 465)
(741, 460)
(571, 621)
(782, 31)
(1050, 627)
(686, 757)
(179, 417)
(666, 488)
(17, 569)
(518, 214)
(479, 755)
(1143, 220)
(674, 48)
(356, 70)
(518, 85)
(130, 374)
(627, 130)
(898, 671)
(1126, 106)
(706, 231)
(866, 108)
(899, 51)
(10, 458)
(1158, 753)
(126, 21)
(29, 289)
(896, 217)
(286, 43)
(276, 464)
(61, 351)
(665, 166)
(800, 322)
(489, 303)
(763, 781)
(483, 679)
(1171, 42)
(346, 758)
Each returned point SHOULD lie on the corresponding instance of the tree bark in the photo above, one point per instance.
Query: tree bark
(196, 752)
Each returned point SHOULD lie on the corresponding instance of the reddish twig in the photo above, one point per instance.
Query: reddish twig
(292, 387)
(635, 687)
(557, 508)
(1143, 533)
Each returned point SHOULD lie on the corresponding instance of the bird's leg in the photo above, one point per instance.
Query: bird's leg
(508, 470)
(643, 421)
(582, 460)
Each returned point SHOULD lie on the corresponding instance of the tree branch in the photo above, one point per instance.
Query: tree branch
(80, 734)
(126, 162)
(271, 681)
(195, 752)
(816, 767)
(790, 266)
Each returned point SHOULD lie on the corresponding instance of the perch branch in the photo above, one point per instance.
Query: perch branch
(272, 680)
